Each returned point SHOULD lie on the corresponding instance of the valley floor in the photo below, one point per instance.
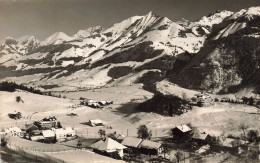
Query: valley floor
(121, 116)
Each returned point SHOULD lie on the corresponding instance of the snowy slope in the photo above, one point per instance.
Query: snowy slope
(56, 38)
(214, 18)
(139, 44)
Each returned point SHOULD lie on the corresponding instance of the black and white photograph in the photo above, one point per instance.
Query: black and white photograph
(134, 81)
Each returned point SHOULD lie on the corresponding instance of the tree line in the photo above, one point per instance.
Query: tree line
(12, 86)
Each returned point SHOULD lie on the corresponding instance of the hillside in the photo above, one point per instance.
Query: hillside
(209, 54)
(229, 60)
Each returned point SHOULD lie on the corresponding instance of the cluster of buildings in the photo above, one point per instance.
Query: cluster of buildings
(95, 104)
(203, 99)
(48, 130)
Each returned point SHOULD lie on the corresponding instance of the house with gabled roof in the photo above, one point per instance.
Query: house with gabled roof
(143, 146)
(202, 138)
(49, 136)
(150, 147)
(63, 134)
(132, 142)
(181, 132)
(96, 122)
(109, 147)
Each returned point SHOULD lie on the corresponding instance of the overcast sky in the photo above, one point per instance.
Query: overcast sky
(41, 18)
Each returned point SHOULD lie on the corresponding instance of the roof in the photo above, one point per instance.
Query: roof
(183, 128)
(150, 144)
(48, 133)
(102, 102)
(119, 136)
(62, 131)
(131, 141)
(201, 136)
(107, 145)
(96, 121)
(36, 137)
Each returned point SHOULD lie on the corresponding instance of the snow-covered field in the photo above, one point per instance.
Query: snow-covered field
(121, 116)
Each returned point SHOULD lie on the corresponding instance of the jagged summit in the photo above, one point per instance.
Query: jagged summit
(134, 47)
(214, 18)
(88, 32)
(249, 13)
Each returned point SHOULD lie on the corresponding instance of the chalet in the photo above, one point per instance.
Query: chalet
(102, 103)
(201, 138)
(109, 147)
(95, 105)
(90, 102)
(96, 122)
(63, 134)
(181, 132)
(132, 142)
(14, 131)
(203, 99)
(49, 136)
(109, 102)
(143, 146)
(150, 147)
(45, 125)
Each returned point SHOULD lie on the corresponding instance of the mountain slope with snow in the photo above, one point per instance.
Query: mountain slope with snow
(138, 49)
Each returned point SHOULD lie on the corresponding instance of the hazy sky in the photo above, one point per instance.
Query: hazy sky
(41, 18)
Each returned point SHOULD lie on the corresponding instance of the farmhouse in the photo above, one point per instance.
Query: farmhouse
(14, 131)
(132, 142)
(204, 99)
(151, 147)
(109, 147)
(181, 132)
(143, 146)
(201, 138)
(49, 136)
(62, 134)
(48, 123)
(96, 122)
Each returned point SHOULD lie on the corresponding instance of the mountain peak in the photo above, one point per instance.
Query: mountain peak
(56, 38)
(246, 13)
(214, 18)
(88, 32)
(151, 14)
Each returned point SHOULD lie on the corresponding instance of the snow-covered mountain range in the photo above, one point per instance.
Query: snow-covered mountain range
(121, 54)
